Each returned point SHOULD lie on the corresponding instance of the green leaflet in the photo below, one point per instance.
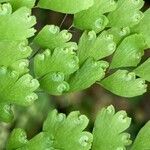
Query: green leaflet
(52, 67)
(126, 14)
(16, 26)
(119, 33)
(75, 138)
(54, 83)
(108, 133)
(124, 83)
(129, 52)
(93, 18)
(69, 6)
(143, 70)
(61, 60)
(59, 132)
(20, 3)
(90, 72)
(143, 27)
(12, 51)
(96, 47)
(17, 138)
(6, 113)
(15, 89)
(51, 37)
(2, 1)
(142, 140)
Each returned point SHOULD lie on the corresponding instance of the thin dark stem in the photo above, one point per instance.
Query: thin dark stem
(63, 20)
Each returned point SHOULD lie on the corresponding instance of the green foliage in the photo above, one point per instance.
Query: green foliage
(109, 129)
(143, 70)
(69, 6)
(129, 52)
(61, 132)
(94, 18)
(95, 47)
(117, 29)
(127, 13)
(143, 27)
(142, 139)
(51, 37)
(124, 83)
(16, 26)
(20, 3)
(17, 86)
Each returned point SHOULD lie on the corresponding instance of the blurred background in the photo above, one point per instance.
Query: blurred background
(88, 102)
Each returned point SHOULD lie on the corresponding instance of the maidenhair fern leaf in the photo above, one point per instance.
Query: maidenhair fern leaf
(6, 113)
(108, 133)
(54, 83)
(11, 51)
(143, 70)
(20, 3)
(90, 72)
(93, 18)
(66, 6)
(61, 60)
(129, 52)
(143, 27)
(74, 138)
(2, 1)
(16, 25)
(17, 139)
(126, 14)
(15, 89)
(95, 47)
(142, 140)
(59, 132)
(119, 33)
(51, 37)
(124, 83)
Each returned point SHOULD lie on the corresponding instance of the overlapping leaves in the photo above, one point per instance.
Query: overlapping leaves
(62, 66)
(59, 68)
(61, 132)
(17, 86)
(69, 6)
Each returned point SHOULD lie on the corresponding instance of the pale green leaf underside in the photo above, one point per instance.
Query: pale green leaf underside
(66, 6)
(143, 70)
(129, 52)
(124, 83)
(108, 133)
(142, 141)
